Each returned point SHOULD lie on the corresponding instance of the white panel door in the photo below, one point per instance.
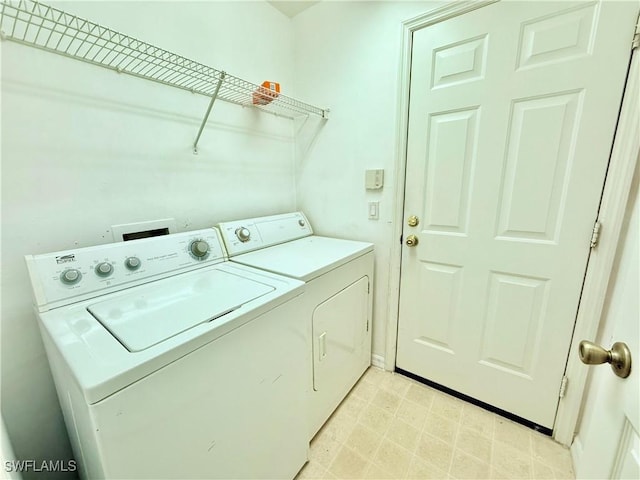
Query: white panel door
(512, 113)
(610, 441)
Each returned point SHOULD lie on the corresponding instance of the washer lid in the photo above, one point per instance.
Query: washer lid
(305, 258)
(157, 311)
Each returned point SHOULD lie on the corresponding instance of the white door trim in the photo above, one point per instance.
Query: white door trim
(624, 157)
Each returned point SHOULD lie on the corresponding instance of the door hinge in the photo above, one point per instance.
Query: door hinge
(563, 386)
(595, 234)
(636, 36)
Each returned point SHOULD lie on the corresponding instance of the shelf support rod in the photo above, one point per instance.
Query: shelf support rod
(206, 115)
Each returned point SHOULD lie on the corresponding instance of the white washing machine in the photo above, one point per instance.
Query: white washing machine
(172, 362)
(337, 301)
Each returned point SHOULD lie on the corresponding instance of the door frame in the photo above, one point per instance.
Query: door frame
(624, 156)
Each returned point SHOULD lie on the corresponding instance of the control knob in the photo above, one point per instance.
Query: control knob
(104, 269)
(199, 249)
(70, 276)
(243, 234)
(132, 263)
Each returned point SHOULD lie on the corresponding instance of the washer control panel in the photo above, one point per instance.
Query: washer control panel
(242, 236)
(63, 276)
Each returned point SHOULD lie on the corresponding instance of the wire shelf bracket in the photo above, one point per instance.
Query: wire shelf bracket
(42, 26)
(206, 115)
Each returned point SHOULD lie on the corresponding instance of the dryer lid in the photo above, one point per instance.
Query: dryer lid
(151, 313)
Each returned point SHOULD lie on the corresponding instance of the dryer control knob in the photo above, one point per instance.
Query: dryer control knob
(199, 248)
(70, 276)
(132, 263)
(243, 234)
(104, 269)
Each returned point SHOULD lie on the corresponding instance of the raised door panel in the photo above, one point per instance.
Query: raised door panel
(539, 155)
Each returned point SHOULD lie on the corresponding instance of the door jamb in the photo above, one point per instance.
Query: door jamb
(625, 154)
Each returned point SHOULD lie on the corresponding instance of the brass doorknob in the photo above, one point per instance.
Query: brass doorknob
(413, 221)
(619, 356)
(412, 241)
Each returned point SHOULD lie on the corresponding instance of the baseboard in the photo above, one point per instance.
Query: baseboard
(576, 451)
(377, 361)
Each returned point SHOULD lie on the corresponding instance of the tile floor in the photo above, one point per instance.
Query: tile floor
(391, 427)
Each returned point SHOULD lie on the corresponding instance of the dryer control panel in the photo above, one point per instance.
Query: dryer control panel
(68, 276)
(242, 236)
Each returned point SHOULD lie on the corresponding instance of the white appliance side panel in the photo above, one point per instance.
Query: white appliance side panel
(231, 409)
(306, 258)
(75, 412)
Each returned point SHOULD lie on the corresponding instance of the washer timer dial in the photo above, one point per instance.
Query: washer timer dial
(199, 249)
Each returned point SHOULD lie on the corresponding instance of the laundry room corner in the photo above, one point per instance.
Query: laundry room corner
(347, 56)
(85, 148)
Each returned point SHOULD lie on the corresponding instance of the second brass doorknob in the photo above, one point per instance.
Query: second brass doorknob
(412, 241)
(619, 356)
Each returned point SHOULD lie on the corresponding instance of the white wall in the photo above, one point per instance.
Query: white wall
(347, 58)
(84, 148)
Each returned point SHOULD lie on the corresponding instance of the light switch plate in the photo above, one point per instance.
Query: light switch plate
(374, 210)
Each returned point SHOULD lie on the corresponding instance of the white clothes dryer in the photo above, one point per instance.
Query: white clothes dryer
(171, 362)
(337, 302)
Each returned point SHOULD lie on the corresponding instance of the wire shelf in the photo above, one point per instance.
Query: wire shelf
(39, 25)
